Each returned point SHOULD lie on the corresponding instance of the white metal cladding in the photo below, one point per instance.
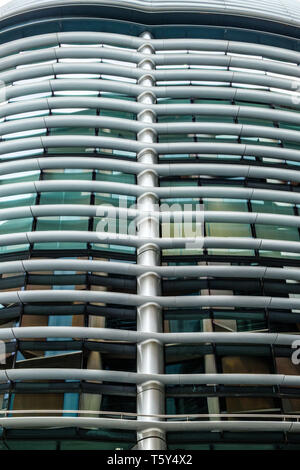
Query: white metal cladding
(284, 11)
(147, 71)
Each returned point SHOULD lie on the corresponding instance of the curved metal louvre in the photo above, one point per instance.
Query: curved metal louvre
(284, 10)
(137, 315)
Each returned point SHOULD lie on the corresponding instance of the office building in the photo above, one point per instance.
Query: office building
(149, 219)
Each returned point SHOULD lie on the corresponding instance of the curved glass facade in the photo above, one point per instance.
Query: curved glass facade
(149, 230)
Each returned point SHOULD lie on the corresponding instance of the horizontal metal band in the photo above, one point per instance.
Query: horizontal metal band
(35, 58)
(235, 243)
(138, 378)
(95, 142)
(160, 192)
(281, 417)
(28, 73)
(128, 269)
(37, 71)
(162, 169)
(137, 336)
(133, 42)
(70, 37)
(24, 297)
(86, 102)
(182, 91)
(212, 128)
(33, 422)
(81, 210)
(56, 53)
(54, 85)
(234, 111)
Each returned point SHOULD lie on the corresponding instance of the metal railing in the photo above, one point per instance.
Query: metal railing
(5, 413)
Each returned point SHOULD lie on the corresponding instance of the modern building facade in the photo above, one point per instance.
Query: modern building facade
(149, 220)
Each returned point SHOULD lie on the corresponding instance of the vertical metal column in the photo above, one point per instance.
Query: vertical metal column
(150, 353)
(210, 367)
